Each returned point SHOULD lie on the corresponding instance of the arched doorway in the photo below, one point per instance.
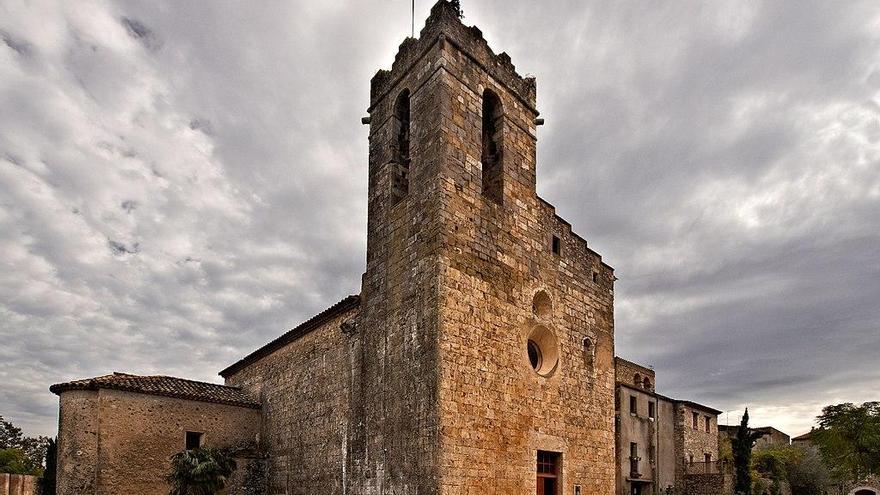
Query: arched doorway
(864, 491)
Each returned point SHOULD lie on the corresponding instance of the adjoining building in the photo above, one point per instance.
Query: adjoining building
(770, 436)
(662, 442)
(117, 432)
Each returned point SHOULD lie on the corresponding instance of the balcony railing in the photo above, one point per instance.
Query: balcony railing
(712, 467)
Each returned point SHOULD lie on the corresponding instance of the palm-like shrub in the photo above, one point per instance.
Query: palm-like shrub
(200, 471)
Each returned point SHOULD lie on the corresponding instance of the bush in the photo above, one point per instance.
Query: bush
(200, 471)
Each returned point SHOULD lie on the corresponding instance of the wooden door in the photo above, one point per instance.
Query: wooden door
(548, 469)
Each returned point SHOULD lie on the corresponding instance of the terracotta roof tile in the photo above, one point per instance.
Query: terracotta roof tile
(167, 386)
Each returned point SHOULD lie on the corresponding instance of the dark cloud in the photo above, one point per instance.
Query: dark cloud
(180, 183)
(142, 33)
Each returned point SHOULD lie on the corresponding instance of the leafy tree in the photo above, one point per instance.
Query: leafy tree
(806, 473)
(10, 435)
(15, 461)
(849, 439)
(742, 455)
(47, 481)
(31, 450)
(200, 471)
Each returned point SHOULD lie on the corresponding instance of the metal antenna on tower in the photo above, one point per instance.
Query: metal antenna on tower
(412, 21)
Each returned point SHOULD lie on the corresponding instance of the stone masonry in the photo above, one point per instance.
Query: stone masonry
(478, 357)
(429, 389)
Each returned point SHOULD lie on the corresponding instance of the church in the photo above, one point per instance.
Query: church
(477, 357)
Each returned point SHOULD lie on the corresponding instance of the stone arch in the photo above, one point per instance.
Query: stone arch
(637, 380)
(864, 490)
(542, 306)
(646, 383)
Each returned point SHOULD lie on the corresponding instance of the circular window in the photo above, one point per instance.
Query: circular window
(541, 305)
(542, 350)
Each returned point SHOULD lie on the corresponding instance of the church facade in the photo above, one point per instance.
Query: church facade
(478, 356)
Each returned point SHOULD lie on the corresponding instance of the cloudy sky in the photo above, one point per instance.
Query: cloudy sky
(181, 182)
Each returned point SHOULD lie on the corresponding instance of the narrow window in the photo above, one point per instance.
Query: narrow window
(595, 277)
(707, 458)
(651, 412)
(690, 458)
(400, 148)
(633, 405)
(695, 420)
(637, 380)
(556, 246)
(634, 459)
(492, 157)
(588, 354)
(708, 424)
(193, 440)
(647, 383)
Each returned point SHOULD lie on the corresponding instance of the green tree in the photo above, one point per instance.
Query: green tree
(200, 471)
(47, 481)
(806, 473)
(32, 448)
(742, 445)
(849, 439)
(15, 461)
(10, 435)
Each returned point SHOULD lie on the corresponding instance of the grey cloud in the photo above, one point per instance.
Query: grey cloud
(723, 158)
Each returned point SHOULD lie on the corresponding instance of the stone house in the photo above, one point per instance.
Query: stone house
(477, 357)
(770, 436)
(117, 432)
(661, 442)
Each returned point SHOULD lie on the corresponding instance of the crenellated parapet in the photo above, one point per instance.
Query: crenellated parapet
(444, 26)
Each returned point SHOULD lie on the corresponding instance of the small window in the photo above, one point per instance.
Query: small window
(633, 405)
(690, 458)
(707, 458)
(577, 489)
(634, 458)
(193, 440)
(556, 246)
(595, 277)
(695, 419)
(588, 354)
(637, 380)
(708, 424)
(647, 383)
(651, 412)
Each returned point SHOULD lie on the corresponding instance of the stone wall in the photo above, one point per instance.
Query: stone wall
(705, 484)
(17, 484)
(77, 442)
(305, 389)
(496, 411)
(694, 442)
(114, 442)
(627, 372)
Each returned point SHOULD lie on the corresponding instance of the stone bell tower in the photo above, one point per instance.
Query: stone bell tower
(486, 325)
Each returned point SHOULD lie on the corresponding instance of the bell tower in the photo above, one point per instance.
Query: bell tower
(485, 346)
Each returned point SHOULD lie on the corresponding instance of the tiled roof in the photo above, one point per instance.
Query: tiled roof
(167, 386)
(307, 326)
